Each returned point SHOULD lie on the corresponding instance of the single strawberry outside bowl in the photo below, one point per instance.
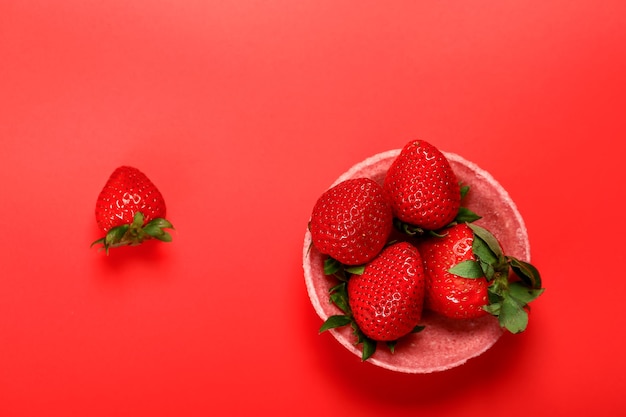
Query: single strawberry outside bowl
(444, 343)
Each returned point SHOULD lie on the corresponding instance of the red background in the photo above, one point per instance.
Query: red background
(242, 113)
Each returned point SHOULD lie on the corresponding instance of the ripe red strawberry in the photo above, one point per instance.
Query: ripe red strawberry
(468, 275)
(386, 300)
(446, 293)
(422, 188)
(351, 221)
(130, 209)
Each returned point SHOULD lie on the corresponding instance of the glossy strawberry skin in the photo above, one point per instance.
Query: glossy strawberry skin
(129, 210)
(448, 294)
(422, 188)
(128, 191)
(351, 221)
(387, 298)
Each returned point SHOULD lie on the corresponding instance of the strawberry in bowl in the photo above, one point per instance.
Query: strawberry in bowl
(352, 221)
(433, 196)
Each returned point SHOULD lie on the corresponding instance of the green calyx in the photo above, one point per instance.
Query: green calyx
(465, 215)
(339, 297)
(508, 299)
(135, 233)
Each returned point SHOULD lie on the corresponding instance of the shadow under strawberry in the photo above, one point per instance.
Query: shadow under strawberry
(148, 253)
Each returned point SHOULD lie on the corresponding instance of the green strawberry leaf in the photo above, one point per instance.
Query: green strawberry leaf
(331, 266)
(98, 242)
(339, 270)
(467, 269)
(369, 348)
(116, 234)
(392, 345)
(464, 190)
(340, 298)
(466, 215)
(153, 230)
(488, 238)
(335, 321)
(527, 272)
(355, 270)
(164, 223)
(407, 228)
(435, 234)
(493, 296)
(163, 237)
(357, 332)
(493, 309)
(488, 269)
(161, 223)
(339, 287)
(138, 220)
(512, 316)
(523, 294)
(369, 345)
(483, 251)
(418, 329)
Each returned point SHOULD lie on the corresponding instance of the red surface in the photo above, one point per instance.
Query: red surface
(242, 113)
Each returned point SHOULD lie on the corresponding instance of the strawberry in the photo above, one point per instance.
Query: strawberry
(384, 301)
(387, 298)
(130, 209)
(468, 273)
(351, 221)
(446, 293)
(422, 188)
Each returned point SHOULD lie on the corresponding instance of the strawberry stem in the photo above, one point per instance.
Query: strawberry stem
(508, 300)
(135, 233)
